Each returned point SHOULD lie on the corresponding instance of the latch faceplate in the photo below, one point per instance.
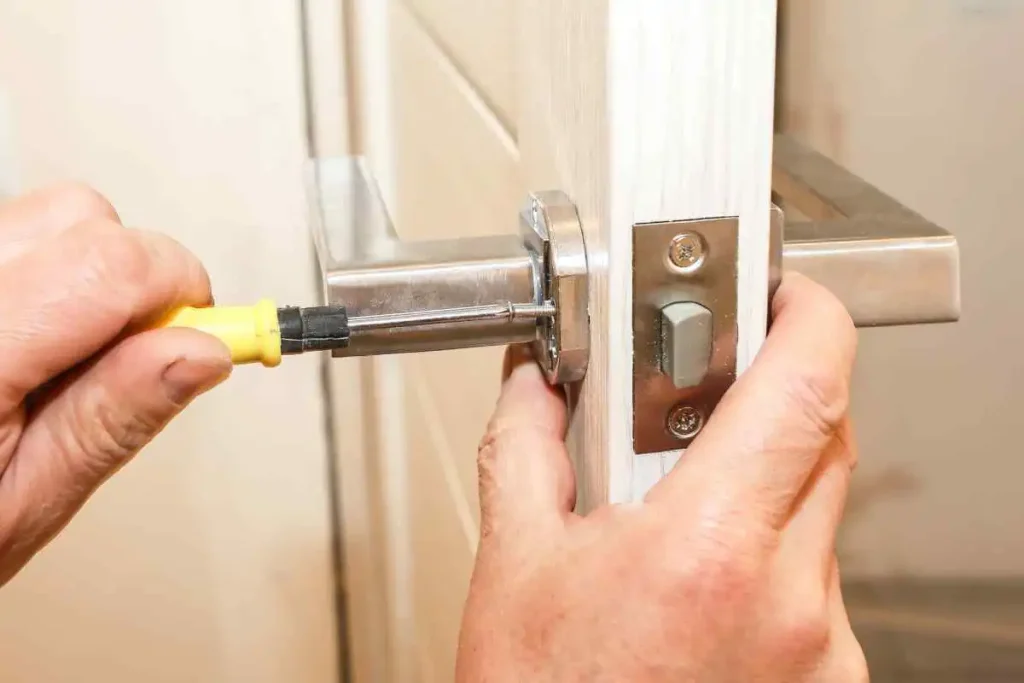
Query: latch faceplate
(681, 263)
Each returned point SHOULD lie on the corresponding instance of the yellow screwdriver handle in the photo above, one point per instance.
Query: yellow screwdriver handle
(252, 333)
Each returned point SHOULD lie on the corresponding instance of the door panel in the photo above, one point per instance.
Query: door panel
(462, 405)
(457, 168)
(442, 532)
(480, 41)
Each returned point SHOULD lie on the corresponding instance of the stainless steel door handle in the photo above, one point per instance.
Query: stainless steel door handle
(887, 264)
(456, 293)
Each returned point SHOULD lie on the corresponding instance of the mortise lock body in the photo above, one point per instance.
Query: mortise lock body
(888, 265)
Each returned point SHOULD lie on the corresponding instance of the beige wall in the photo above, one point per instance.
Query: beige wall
(925, 98)
(208, 558)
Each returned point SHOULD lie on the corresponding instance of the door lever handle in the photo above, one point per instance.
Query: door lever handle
(404, 297)
(887, 264)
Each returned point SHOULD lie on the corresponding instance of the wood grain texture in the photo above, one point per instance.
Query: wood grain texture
(643, 112)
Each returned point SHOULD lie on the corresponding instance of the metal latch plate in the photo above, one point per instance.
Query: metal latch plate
(665, 417)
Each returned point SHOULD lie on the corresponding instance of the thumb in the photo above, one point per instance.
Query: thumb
(526, 478)
(88, 428)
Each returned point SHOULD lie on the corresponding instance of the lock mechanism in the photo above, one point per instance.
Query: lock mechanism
(888, 265)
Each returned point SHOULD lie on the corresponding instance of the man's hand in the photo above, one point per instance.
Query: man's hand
(79, 394)
(725, 573)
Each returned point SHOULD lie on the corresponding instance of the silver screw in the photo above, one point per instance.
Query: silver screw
(535, 211)
(685, 422)
(687, 251)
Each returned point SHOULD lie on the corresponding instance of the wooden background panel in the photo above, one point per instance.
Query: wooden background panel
(456, 166)
(442, 530)
(479, 36)
(464, 386)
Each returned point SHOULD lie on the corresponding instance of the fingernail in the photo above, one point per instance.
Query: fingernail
(186, 378)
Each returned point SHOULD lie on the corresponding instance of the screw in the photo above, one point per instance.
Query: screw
(687, 251)
(535, 211)
(685, 422)
(552, 343)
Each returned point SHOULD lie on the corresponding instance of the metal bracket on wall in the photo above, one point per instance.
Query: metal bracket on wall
(888, 265)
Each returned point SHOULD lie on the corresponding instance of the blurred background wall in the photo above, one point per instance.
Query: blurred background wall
(925, 99)
(207, 559)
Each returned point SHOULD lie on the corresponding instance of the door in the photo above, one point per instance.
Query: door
(640, 112)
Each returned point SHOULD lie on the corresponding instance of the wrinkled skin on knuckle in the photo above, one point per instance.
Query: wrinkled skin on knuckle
(822, 399)
(497, 453)
(99, 436)
(487, 477)
(119, 262)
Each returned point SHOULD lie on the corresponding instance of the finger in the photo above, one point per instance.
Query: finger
(63, 303)
(30, 219)
(807, 545)
(98, 422)
(526, 479)
(769, 432)
(515, 355)
(845, 659)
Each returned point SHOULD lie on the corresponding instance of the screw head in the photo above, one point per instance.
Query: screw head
(534, 212)
(685, 422)
(687, 251)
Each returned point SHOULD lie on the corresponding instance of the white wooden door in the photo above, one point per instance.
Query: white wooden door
(641, 112)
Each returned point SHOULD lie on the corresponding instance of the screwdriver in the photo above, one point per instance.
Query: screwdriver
(263, 333)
